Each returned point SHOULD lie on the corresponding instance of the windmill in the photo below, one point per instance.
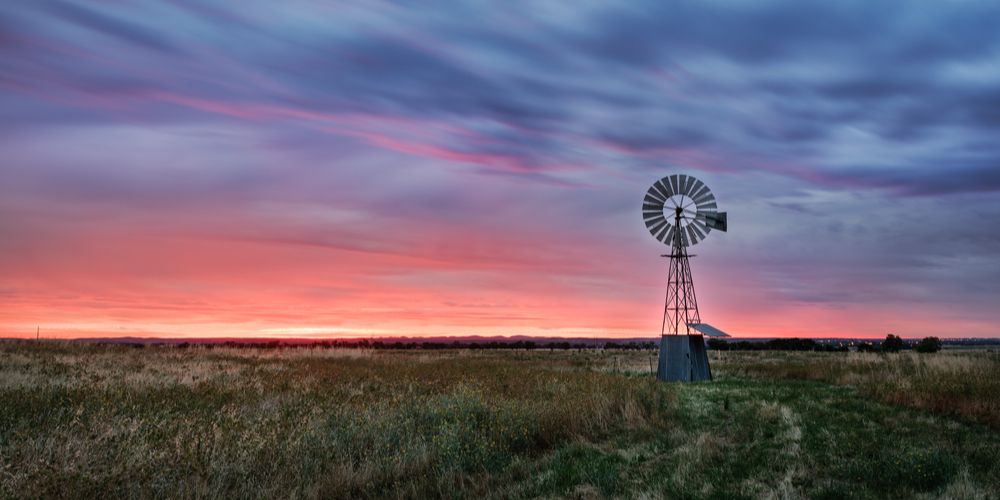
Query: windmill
(680, 211)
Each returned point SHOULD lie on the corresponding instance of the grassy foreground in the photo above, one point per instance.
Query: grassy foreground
(962, 383)
(87, 421)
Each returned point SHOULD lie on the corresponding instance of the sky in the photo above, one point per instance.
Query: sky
(320, 169)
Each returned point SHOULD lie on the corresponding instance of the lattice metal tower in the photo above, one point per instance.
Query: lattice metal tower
(681, 307)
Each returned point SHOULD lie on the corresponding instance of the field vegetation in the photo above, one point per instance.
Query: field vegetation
(964, 383)
(114, 421)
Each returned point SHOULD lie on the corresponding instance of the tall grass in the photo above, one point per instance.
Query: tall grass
(100, 421)
(964, 383)
(95, 421)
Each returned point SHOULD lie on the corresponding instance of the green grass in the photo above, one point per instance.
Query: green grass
(94, 421)
(805, 438)
(961, 383)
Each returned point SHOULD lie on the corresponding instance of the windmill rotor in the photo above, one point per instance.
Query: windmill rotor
(681, 207)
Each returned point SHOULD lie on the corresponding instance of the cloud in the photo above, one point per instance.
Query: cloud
(105, 24)
(454, 131)
(768, 80)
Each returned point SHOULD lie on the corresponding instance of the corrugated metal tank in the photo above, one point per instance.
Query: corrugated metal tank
(683, 358)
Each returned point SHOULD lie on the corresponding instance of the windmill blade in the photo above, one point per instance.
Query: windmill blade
(693, 186)
(652, 207)
(709, 206)
(703, 228)
(692, 236)
(703, 198)
(657, 228)
(700, 192)
(664, 187)
(673, 184)
(648, 211)
(704, 195)
(657, 192)
(653, 203)
(653, 219)
(654, 225)
(666, 236)
(648, 218)
(698, 231)
(690, 186)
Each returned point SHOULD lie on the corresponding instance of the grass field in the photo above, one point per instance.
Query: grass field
(86, 421)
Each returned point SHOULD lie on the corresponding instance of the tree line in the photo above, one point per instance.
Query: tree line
(892, 343)
(402, 345)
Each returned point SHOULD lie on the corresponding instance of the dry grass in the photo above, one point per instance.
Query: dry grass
(92, 421)
(961, 383)
(155, 421)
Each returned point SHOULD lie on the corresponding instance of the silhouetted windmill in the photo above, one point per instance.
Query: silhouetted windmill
(680, 210)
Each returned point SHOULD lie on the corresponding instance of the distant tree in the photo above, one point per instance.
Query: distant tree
(892, 343)
(928, 344)
(792, 344)
(832, 347)
(866, 347)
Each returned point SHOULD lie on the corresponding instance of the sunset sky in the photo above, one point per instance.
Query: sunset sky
(196, 168)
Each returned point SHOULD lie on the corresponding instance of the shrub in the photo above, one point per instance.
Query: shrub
(928, 344)
(892, 343)
(866, 347)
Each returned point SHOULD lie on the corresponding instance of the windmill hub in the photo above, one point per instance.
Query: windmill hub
(680, 211)
(679, 205)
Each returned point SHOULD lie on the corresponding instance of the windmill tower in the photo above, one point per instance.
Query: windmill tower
(680, 211)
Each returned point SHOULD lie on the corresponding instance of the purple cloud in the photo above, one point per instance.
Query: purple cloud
(857, 134)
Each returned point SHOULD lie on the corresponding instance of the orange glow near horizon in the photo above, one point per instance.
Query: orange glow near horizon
(127, 281)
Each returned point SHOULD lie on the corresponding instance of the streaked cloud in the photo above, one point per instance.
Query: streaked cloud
(299, 166)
